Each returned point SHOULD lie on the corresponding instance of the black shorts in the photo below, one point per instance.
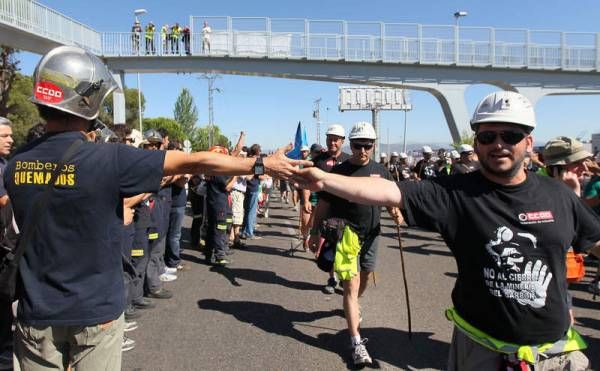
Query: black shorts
(367, 258)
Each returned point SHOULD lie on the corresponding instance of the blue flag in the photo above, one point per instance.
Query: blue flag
(299, 142)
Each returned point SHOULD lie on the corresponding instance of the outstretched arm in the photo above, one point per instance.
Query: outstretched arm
(277, 165)
(362, 190)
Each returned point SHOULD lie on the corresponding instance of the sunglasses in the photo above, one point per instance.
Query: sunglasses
(359, 146)
(508, 137)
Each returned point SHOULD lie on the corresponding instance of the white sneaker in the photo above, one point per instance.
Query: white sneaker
(130, 326)
(360, 354)
(166, 277)
(170, 270)
(127, 344)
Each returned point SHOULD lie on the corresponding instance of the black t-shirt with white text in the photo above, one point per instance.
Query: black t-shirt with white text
(364, 218)
(426, 169)
(71, 272)
(510, 244)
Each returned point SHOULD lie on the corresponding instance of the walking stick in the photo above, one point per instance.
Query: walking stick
(405, 283)
(596, 281)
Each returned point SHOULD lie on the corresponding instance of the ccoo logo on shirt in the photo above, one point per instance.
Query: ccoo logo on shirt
(536, 217)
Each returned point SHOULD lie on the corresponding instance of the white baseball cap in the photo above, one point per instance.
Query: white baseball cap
(427, 149)
(403, 155)
(304, 148)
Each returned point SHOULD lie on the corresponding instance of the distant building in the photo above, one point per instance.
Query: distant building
(595, 145)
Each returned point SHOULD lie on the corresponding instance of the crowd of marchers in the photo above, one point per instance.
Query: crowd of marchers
(94, 215)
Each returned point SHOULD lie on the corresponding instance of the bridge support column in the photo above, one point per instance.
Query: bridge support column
(119, 99)
(452, 100)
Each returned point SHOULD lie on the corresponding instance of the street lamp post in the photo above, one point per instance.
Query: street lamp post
(457, 16)
(139, 12)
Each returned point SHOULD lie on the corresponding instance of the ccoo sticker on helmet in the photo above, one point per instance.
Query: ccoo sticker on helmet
(48, 92)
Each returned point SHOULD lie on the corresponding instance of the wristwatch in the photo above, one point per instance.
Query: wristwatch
(259, 167)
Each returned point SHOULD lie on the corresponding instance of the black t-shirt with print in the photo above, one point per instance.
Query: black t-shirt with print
(426, 169)
(364, 218)
(510, 244)
(71, 272)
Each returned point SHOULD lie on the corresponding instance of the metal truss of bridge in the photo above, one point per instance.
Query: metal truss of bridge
(440, 59)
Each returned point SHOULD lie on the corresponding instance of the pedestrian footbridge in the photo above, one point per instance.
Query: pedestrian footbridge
(440, 59)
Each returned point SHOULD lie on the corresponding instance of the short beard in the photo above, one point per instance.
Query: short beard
(514, 170)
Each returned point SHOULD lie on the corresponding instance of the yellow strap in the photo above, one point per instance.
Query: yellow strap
(137, 252)
(572, 341)
(152, 236)
(222, 227)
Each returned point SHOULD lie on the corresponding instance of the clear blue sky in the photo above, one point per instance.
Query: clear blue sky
(268, 109)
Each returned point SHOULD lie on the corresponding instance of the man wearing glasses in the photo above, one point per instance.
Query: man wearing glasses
(365, 220)
(509, 231)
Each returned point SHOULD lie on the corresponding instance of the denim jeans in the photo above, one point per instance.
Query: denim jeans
(250, 206)
(172, 258)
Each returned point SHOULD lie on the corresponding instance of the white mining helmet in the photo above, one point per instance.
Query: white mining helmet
(504, 107)
(337, 130)
(362, 130)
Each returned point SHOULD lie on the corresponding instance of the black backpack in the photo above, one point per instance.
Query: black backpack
(332, 230)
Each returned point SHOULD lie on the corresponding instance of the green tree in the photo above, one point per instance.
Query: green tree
(22, 112)
(185, 112)
(172, 126)
(200, 139)
(9, 66)
(131, 109)
(466, 138)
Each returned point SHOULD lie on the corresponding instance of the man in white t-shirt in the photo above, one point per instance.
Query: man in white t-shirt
(206, 31)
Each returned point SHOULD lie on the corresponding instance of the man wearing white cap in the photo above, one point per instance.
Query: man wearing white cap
(467, 162)
(393, 166)
(355, 263)
(509, 231)
(335, 136)
(426, 167)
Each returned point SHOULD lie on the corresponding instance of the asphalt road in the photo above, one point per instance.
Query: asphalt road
(266, 311)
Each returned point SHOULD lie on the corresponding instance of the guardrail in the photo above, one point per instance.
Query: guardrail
(38, 19)
(372, 42)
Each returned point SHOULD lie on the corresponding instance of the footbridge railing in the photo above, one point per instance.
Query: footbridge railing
(374, 42)
(42, 21)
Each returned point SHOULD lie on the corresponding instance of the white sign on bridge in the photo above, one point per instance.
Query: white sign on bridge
(373, 98)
